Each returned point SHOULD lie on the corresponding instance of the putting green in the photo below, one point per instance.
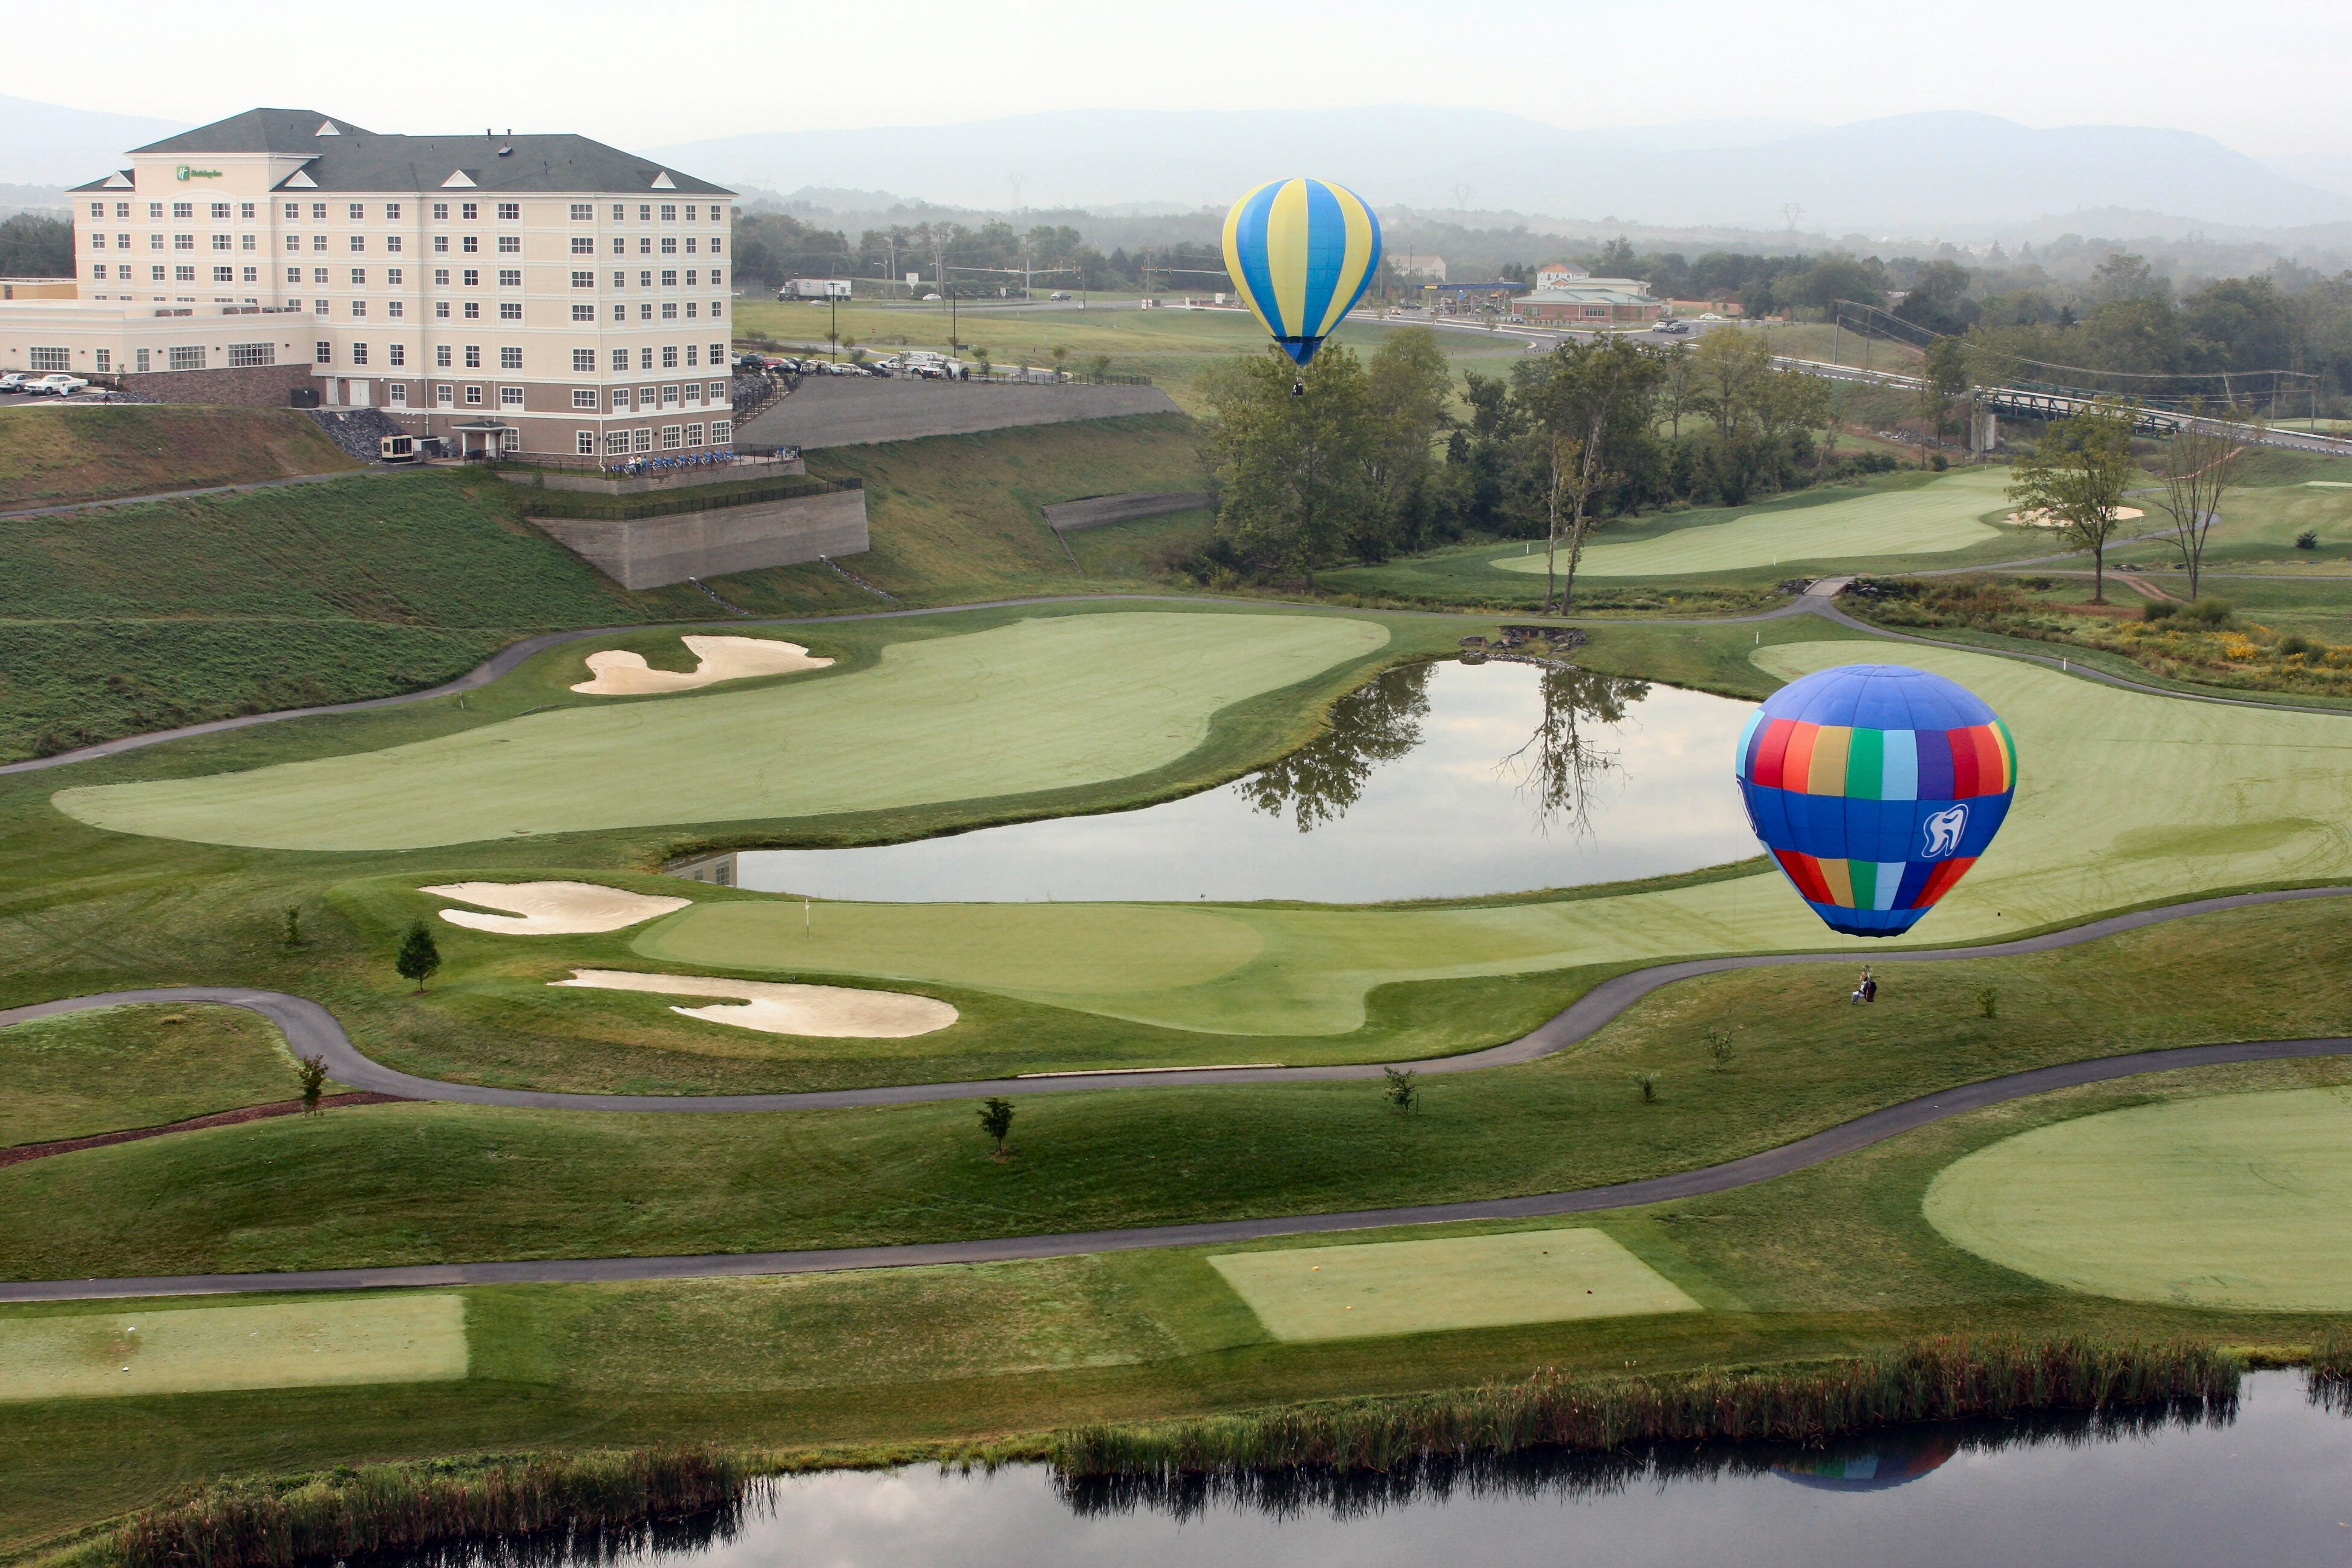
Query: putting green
(1461, 1282)
(2240, 1201)
(1039, 704)
(298, 1344)
(1937, 517)
(2125, 799)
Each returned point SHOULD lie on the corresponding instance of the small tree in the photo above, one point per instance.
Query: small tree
(313, 1073)
(418, 958)
(2077, 478)
(1718, 1046)
(292, 933)
(1989, 1001)
(1944, 380)
(987, 362)
(2200, 465)
(996, 1121)
(1100, 366)
(1401, 1089)
(1647, 1082)
(1061, 352)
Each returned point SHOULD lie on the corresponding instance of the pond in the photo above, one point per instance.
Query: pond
(1445, 780)
(2266, 1487)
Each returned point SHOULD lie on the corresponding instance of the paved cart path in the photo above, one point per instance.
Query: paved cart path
(310, 1029)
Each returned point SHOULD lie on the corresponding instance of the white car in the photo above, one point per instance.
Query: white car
(14, 381)
(929, 299)
(58, 384)
(1709, 316)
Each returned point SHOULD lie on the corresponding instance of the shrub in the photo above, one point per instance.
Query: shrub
(314, 1072)
(2158, 610)
(996, 1121)
(1647, 1082)
(2210, 612)
(418, 957)
(2307, 540)
(1401, 1089)
(1989, 1001)
(2295, 645)
(1718, 1046)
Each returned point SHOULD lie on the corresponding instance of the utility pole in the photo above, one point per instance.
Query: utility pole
(834, 334)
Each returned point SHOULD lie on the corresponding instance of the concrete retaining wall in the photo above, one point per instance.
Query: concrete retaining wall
(654, 484)
(1094, 511)
(829, 410)
(654, 551)
(248, 386)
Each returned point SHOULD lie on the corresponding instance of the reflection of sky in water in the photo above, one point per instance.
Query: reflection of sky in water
(2268, 1491)
(1450, 817)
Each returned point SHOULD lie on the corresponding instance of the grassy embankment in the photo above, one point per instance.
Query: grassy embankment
(50, 456)
(136, 1067)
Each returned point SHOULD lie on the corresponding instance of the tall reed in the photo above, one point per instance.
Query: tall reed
(1930, 1379)
(409, 1507)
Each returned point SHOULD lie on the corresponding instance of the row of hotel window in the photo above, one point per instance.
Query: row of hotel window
(357, 244)
(624, 443)
(583, 361)
(509, 212)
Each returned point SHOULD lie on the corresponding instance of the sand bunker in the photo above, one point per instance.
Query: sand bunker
(622, 674)
(550, 908)
(2035, 520)
(819, 1012)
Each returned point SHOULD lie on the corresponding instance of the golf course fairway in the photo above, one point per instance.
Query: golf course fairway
(1042, 703)
(1931, 520)
(2231, 1201)
(2124, 799)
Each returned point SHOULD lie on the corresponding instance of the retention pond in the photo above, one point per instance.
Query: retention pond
(1444, 780)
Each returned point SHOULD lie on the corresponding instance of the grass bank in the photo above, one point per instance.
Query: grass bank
(52, 455)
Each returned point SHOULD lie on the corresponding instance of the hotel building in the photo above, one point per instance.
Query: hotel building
(537, 293)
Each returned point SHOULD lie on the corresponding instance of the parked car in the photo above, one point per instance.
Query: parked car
(1709, 316)
(930, 298)
(58, 384)
(1670, 326)
(14, 381)
(1059, 294)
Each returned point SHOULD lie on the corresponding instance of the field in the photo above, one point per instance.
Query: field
(136, 1067)
(1067, 701)
(52, 455)
(2238, 1202)
(203, 1350)
(1932, 519)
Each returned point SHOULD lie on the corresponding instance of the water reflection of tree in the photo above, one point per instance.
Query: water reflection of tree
(1373, 724)
(1560, 762)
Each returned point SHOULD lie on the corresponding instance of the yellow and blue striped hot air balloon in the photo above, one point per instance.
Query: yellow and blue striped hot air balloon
(1301, 252)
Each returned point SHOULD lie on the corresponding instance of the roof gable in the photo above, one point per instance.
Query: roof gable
(288, 132)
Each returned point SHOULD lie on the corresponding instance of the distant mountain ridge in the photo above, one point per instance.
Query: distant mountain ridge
(44, 145)
(1950, 175)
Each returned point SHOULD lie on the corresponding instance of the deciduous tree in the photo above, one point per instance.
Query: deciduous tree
(2076, 477)
(2201, 462)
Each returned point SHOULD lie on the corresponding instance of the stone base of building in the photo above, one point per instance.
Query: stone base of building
(247, 386)
(654, 551)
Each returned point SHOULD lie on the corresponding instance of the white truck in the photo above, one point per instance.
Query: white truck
(815, 288)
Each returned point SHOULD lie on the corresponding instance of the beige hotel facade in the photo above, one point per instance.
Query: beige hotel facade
(535, 293)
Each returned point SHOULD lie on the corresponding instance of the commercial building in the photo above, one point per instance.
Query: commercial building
(1469, 298)
(1558, 273)
(532, 293)
(1591, 302)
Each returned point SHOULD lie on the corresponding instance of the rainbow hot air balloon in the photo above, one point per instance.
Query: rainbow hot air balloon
(1301, 252)
(1876, 786)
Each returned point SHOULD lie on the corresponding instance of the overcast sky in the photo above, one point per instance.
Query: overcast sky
(2267, 80)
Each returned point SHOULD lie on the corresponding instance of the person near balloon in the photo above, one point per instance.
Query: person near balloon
(1866, 989)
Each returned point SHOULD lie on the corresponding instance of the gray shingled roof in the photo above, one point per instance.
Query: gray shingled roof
(360, 160)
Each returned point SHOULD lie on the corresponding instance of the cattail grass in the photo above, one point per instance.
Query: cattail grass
(2328, 1371)
(1937, 1379)
(590, 1497)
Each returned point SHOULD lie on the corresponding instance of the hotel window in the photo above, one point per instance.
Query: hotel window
(690, 275)
(359, 277)
(620, 280)
(318, 242)
(121, 242)
(620, 400)
(718, 247)
(444, 395)
(105, 361)
(473, 309)
(509, 245)
(318, 276)
(689, 214)
(441, 245)
(584, 396)
(399, 353)
(245, 209)
(294, 242)
(690, 244)
(669, 361)
(398, 391)
(647, 397)
(183, 275)
(644, 248)
(509, 277)
(317, 212)
(154, 209)
(717, 391)
(122, 273)
(468, 211)
(98, 270)
(396, 308)
(473, 356)
(141, 356)
(621, 362)
(671, 437)
(393, 275)
(224, 274)
(359, 353)
(694, 392)
(669, 279)
(616, 443)
(98, 209)
(620, 212)
(511, 359)
(722, 432)
(511, 310)
(669, 246)
(359, 310)
(670, 310)
(392, 243)
(717, 356)
(644, 358)
(248, 242)
(582, 213)
(184, 209)
(122, 209)
(694, 435)
(319, 307)
(293, 275)
(584, 312)
(511, 397)
(644, 439)
(323, 352)
(509, 212)
(155, 242)
(584, 442)
(223, 242)
(645, 213)
(294, 209)
(98, 242)
(253, 274)
(155, 275)
(440, 309)
(620, 313)
(358, 211)
(584, 360)
(472, 277)
(469, 243)
(669, 398)
(441, 209)
(669, 211)
(184, 242)
(582, 245)
(620, 247)
(177, 359)
(440, 278)
(690, 353)
(473, 397)
(690, 310)
(645, 279)
(441, 356)
(392, 212)
(220, 209)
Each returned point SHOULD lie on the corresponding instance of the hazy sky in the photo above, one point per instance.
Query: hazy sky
(643, 75)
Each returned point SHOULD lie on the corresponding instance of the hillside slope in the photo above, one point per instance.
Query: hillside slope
(52, 454)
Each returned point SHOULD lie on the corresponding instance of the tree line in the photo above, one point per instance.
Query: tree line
(1377, 455)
